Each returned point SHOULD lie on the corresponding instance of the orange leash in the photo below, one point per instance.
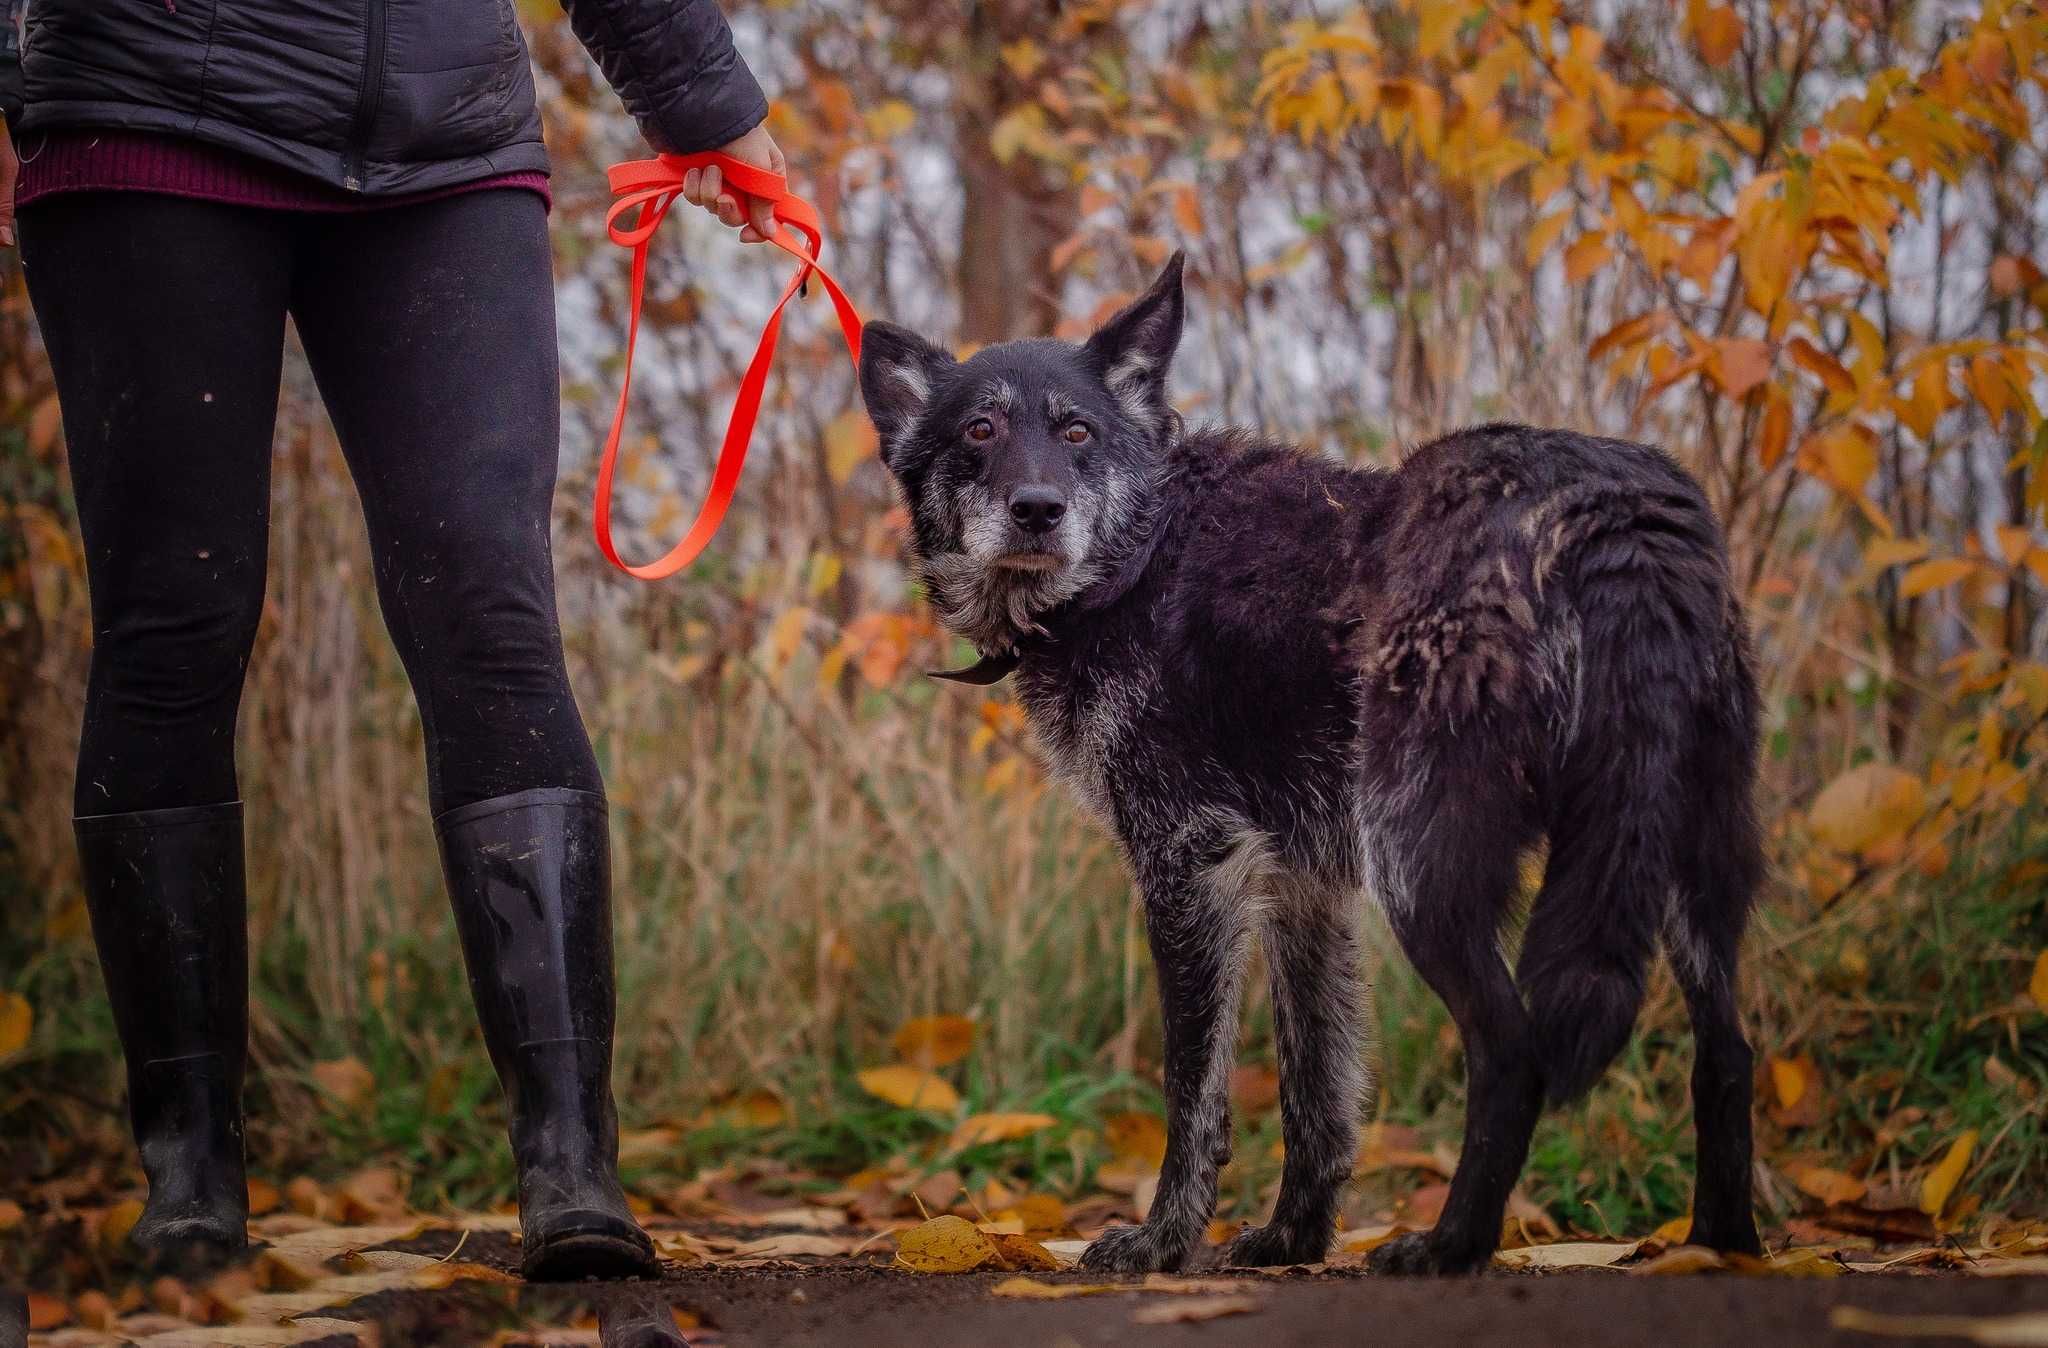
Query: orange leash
(651, 186)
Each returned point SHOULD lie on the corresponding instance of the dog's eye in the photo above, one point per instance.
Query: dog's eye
(981, 430)
(1077, 433)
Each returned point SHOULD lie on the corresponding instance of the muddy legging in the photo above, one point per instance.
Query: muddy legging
(431, 332)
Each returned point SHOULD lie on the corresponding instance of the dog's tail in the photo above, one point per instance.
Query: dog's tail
(1616, 826)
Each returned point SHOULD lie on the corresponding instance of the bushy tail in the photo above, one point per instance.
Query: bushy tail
(1587, 951)
(1594, 925)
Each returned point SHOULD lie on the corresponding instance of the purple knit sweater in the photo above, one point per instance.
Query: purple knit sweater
(138, 161)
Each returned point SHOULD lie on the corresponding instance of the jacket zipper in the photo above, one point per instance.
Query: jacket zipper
(367, 98)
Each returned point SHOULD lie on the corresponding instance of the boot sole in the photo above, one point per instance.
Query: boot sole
(578, 1257)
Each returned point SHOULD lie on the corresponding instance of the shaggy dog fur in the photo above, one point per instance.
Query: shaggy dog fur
(1284, 682)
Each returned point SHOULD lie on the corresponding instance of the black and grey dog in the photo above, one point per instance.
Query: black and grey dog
(1282, 682)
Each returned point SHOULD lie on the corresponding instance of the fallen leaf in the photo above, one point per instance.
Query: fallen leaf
(346, 1081)
(321, 1244)
(1136, 1137)
(1801, 1263)
(2037, 986)
(1255, 1087)
(46, 1312)
(11, 1214)
(1068, 1252)
(1673, 1232)
(1030, 1289)
(909, 1088)
(1020, 1253)
(1829, 1186)
(979, 1129)
(1041, 1215)
(1682, 1260)
(2027, 1330)
(944, 1245)
(1366, 1239)
(1942, 1180)
(791, 1244)
(1192, 1310)
(933, 1041)
(17, 1021)
(263, 1197)
(1570, 1254)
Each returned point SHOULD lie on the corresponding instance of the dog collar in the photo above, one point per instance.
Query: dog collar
(983, 672)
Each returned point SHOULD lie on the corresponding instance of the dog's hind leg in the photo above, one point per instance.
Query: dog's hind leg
(1444, 866)
(1318, 1008)
(1197, 887)
(1721, 865)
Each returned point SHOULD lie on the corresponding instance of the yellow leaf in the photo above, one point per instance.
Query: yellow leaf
(1788, 1081)
(944, 1245)
(1543, 234)
(1585, 257)
(17, 1021)
(1941, 1181)
(891, 119)
(849, 440)
(1136, 1137)
(1739, 364)
(346, 1080)
(786, 635)
(1829, 1186)
(1884, 552)
(978, 1129)
(1674, 1232)
(2037, 986)
(1934, 575)
(1865, 806)
(119, 1221)
(909, 1088)
(1718, 30)
(934, 1041)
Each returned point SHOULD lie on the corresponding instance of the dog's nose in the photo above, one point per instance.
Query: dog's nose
(1036, 509)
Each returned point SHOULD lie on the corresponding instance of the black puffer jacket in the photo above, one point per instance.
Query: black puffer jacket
(374, 96)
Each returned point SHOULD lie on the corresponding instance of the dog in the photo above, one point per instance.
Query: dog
(1284, 683)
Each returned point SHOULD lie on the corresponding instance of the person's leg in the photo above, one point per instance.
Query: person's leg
(431, 331)
(164, 321)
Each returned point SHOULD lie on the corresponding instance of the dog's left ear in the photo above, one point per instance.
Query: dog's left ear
(1134, 348)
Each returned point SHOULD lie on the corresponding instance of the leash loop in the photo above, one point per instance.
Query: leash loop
(642, 192)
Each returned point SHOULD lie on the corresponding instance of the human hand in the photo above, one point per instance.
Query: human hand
(10, 168)
(706, 186)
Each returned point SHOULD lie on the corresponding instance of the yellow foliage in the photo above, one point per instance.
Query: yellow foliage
(1941, 1181)
(910, 1088)
(1867, 805)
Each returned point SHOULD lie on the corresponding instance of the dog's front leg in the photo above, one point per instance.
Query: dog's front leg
(1196, 924)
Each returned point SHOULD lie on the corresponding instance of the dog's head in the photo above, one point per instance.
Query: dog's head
(1030, 467)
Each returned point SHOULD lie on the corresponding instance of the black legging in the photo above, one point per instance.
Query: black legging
(431, 331)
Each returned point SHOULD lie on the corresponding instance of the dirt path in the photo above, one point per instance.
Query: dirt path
(848, 1302)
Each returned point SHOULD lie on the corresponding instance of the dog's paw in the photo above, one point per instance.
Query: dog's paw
(1133, 1249)
(1418, 1255)
(1736, 1238)
(1272, 1246)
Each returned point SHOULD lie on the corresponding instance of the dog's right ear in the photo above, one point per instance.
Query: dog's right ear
(897, 371)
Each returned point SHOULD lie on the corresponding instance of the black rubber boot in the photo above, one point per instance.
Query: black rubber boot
(165, 891)
(530, 877)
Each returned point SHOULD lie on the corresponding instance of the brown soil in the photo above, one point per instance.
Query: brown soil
(851, 1302)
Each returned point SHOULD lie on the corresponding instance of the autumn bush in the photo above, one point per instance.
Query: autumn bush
(1795, 243)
